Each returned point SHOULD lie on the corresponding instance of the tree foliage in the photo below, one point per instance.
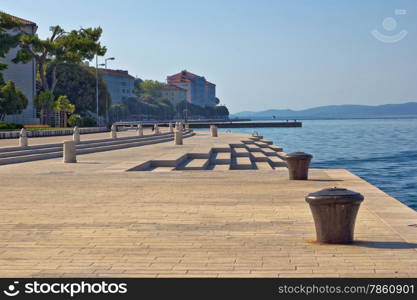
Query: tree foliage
(12, 100)
(78, 82)
(7, 40)
(64, 107)
(61, 47)
(44, 101)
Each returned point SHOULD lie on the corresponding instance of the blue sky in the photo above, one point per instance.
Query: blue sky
(261, 54)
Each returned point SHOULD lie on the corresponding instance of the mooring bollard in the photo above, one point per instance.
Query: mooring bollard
(113, 132)
(76, 135)
(171, 129)
(298, 164)
(140, 130)
(334, 211)
(213, 130)
(69, 152)
(178, 137)
(23, 138)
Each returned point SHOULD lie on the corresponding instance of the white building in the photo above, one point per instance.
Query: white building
(23, 75)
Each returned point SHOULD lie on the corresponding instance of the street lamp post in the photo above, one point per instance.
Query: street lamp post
(107, 108)
(107, 101)
(97, 118)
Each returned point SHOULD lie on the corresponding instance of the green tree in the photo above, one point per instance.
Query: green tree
(44, 101)
(78, 83)
(69, 47)
(64, 107)
(7, 41)
(12, 100)
(150, 88)
(74, 119)
(118, 112)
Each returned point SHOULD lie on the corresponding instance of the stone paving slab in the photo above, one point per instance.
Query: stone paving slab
(72, 220)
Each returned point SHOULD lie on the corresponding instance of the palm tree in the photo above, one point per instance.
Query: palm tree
(64, 107)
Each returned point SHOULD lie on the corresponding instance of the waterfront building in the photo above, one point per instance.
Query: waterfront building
(23, 75)
(210, 96)
(199, 90)
(174, 94)
(119, 84)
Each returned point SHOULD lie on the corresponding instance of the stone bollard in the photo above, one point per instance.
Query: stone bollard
(23, 138)
(70, 152)
(156, 129)
(213, 130)
(298, 163)
(76, 135)
(140, 130)
(334, 211)
(178, 137)
(113, 132)
(187, 126)
(171, 129)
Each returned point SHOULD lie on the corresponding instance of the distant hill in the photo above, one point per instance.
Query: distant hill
(336, 111)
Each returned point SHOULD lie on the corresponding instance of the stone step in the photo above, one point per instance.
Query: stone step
(253, 148)
(268, 152)
(90, 149)
(240, 152)
(162, 169)
(262, 144)
(248, 142)
(259, 156)
(221, 148)
(275, 148)
(263, 166)
(242, 163)
(282, 155)
(221, 158)
(269, 142)
(276, 161)
(195, 164)
(220, 168)
(256, 138)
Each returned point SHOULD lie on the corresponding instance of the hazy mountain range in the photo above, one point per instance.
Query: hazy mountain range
(336, 111)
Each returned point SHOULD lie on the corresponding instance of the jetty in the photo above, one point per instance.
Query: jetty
(212, 207)
(222, 124)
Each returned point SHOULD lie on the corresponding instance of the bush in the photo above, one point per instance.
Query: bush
(74, 120)
(87, 122)
(10, 126)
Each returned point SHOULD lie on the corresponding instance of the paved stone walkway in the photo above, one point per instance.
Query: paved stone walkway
(92, 219)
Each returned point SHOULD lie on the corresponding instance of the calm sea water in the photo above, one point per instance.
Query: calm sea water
(381, 151)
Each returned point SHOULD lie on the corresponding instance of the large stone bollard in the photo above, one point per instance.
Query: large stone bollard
(298, 164)
(140, 130)
(76, 135)
(171, 129)
(213, 130)
(334, 211)
(187, 126)
(23, 138)
(113, 132)
(178, 137)
(69, 152)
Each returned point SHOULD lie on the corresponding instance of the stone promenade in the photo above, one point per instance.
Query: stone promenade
(94, 219)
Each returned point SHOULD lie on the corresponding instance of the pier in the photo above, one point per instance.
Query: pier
(166, 210)
(223, 124)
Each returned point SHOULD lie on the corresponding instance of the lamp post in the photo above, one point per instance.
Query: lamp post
(107, 108)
